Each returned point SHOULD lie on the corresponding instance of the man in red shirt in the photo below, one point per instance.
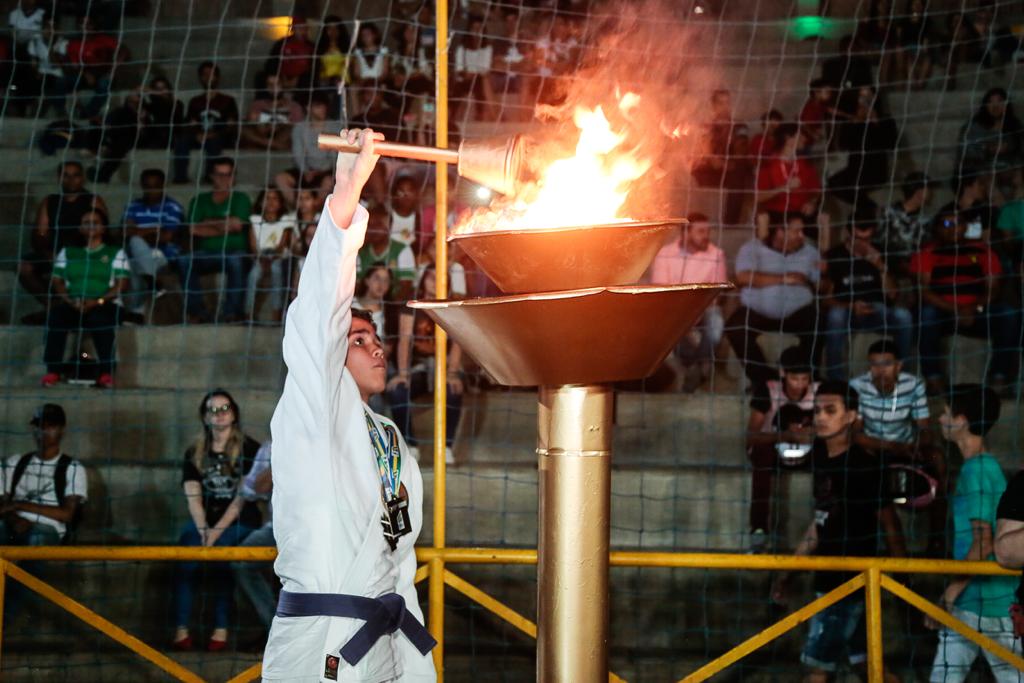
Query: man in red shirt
(91, 56)
(291, 57)
(788, 183)
(958, 282)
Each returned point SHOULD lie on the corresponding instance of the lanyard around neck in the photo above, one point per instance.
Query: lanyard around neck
(389, 457)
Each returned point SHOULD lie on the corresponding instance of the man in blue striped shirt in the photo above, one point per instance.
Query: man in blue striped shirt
(893, 424)
(151, 225)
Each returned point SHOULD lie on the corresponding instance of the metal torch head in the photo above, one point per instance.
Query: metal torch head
(496, 163)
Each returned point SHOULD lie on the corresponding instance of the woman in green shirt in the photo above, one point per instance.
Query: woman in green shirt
(87, 281)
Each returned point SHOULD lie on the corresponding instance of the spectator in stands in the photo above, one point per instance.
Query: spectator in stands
(905, 225)
(509, 57)
(43, 490)
(788, 182)
(307, 215)
(374, 111)
(778, 279)
(766, 430)
(977, 39)
(271, 232)
(415, 360)
(818, 114)
(331, 61)
(472, 84)
(893, 426)
(981, 602)
(859, 296)
(91, 57)
(31, 27)
(958, 282)
(212, 470)
(412, 80)
(255, 487)
(152, 226)
(916, 36)
(851, 513)
(373, 293)
(739, 179)
(271, 117)
(762, 145)
(849, 69)
(87, 283)
(212, 119)
(1009, 236)
(370, 64)
(426, 259)
(58, 219)
(410, 221)
(291, 57)
(974, 206)
(878, 34)
(690, 259)
(868, 136)
(991, 142)
(397, 256)
(709, 168)
(218, 222)
(164, 115)
(314, 167)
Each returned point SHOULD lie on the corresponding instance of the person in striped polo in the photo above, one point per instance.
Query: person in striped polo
(894, 425)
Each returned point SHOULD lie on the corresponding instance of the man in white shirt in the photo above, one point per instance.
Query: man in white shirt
(348, 499)
(692, 259)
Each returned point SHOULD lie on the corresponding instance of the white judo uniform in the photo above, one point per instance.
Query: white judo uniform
(327, 488)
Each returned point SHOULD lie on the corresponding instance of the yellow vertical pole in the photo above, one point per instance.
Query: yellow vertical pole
(436, 584)
(3, 588)
(873, 596)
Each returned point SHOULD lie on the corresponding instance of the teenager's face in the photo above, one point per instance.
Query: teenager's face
(307, 202)
(378, 284)
(272, 205)
(47, 435)
(404, 197)
(92, 226)
(996, 106)
(831, 417)
(951, 426)
(795, 384)
(885, 369)
(219, 413)
(365, 358)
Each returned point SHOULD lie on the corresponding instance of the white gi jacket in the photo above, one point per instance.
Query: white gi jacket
(327, 489)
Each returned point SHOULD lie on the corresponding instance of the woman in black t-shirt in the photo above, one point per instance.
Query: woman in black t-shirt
(211, 472)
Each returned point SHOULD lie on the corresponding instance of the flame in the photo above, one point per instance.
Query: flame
(587, 188)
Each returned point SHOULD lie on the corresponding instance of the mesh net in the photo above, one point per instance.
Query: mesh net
(898, 110)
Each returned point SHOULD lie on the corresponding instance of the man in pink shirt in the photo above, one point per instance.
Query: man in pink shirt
(692, 259)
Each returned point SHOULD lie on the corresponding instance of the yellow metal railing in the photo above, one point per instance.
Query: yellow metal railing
(872, 576)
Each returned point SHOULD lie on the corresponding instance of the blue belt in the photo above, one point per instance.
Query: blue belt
(383, 615)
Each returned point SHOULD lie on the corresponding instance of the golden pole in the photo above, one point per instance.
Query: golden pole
(574, 459)
(873, 596)
(435, 595)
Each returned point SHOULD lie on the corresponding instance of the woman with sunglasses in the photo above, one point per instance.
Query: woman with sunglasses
(213, 468)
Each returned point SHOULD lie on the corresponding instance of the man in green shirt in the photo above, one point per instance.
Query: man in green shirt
(219, 223)
(86, 283)
(981, 602)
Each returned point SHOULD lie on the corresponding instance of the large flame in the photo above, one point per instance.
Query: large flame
(585, 189)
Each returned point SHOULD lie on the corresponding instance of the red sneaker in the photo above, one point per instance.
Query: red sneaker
(50, 379)
(183, 645)
(105, 381)
(216, 645)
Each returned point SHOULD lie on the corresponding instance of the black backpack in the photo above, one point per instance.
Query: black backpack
(60, 480)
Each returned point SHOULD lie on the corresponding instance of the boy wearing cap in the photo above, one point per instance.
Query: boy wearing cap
(42, 489)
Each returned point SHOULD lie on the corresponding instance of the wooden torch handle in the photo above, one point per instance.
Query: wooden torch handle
(390, 149)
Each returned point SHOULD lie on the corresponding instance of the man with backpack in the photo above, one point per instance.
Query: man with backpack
(43, 490)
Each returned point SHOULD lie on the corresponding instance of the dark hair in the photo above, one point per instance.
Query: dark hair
(219, 392)
(772, 115)
(64, 164)
(794, 359)
(863, 216)
(261, 198)
(885, 346)
(367, 317)
(222, 161)
(790, 414)
(99, 212)
(835, 387)
(819, 83)
(152, 173)
(343, 36)
(161, 79)
(208, 64)
(1010, 121)
(372, 28)
(696, 217)
(377, 210)
(784, 131)
(420, 288)
(980, 405)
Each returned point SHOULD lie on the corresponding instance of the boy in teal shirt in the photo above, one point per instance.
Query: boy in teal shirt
(981, 602)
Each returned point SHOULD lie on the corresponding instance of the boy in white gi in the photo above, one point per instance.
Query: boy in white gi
(348, 499)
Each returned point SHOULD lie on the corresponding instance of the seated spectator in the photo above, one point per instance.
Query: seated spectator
(331, 60)
(307, 214)
(893, 426)
(373, 293)
(373, 111)
(1008, 239)
(976, 39)
(917, 36)
(112, 142)
(773, 441)
(87, 283)
(164, 115)
(314, 167)
(787, 182)
(291, 57)
(91, 58)
(778, 278)
(58, 223)
(958, 283)
(380, 246)
(370, 65)
(739, 180)
(694, 258)
(412, 83)
(415, 376)
(272, 230)
(709, 169)
(219, 515)
(818, 114)
(905, 225)
(472, 85)
(981, 602)
(859, 297)
(868, 136)
(851, 513)
(211, 123)
(991, 141)
(974, 206)
(218, 222)
(256, 487)
(762, 145)
(270, 117)
(152, 226)
(427, 259)
(509, 57)
(43, 490)
(877, 34)
(848, 69)
(31, 24)
(410, 221)
(555, 56)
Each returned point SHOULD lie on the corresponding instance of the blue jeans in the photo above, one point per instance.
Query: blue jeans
(220, 573)
(840, 322)
(249, 575)
(33, 534)
(836, 631)
(1000, 324)
(235, 267)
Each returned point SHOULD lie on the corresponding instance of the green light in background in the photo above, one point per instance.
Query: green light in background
(813, 26)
